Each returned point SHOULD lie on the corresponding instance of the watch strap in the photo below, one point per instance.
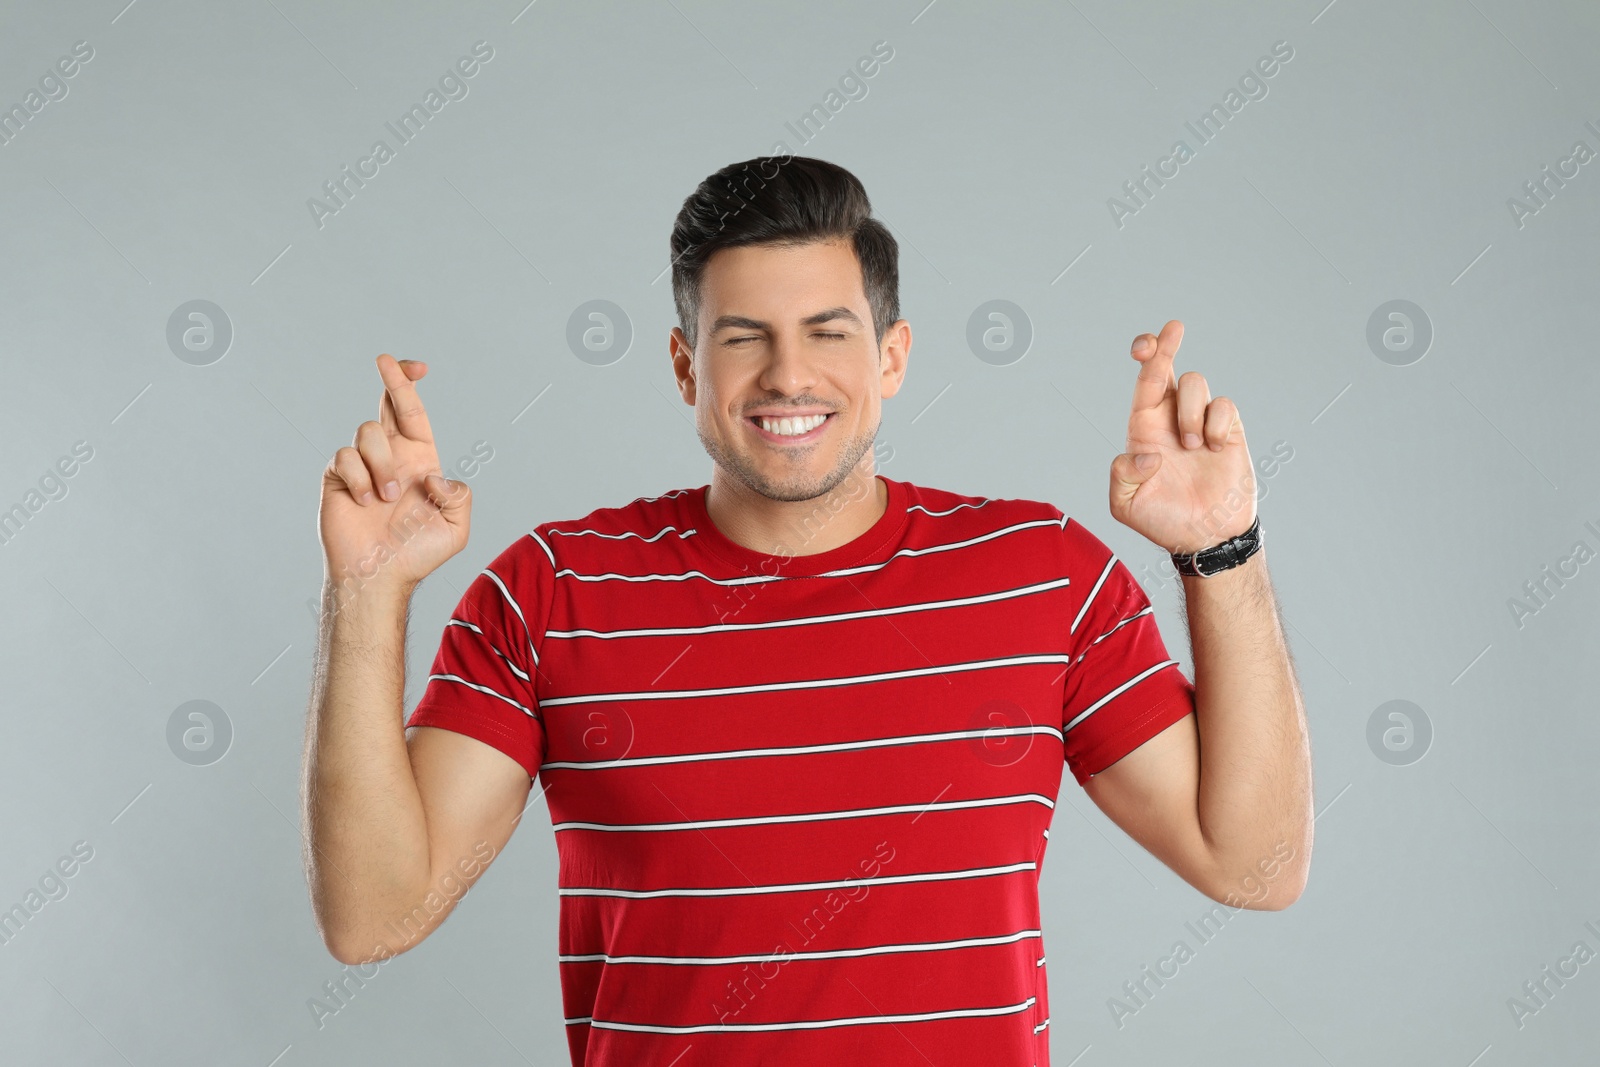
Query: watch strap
(1218, 558)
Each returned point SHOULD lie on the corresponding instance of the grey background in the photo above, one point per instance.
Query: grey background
(1418, 501)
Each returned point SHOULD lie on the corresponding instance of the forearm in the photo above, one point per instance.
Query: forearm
(367, 855)
(1255, 757)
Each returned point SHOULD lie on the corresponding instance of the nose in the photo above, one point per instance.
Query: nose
(789, 370)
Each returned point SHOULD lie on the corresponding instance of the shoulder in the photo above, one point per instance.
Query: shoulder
(639, 521)
(972, 515)
(967, 510)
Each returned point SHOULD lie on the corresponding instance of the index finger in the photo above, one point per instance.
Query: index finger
(1156, 379)
(400, 411)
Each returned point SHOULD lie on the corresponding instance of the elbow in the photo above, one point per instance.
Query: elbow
(1263, 894)
(1294, 887)
(352, 936)
(339, 945)
(1277, 900)
(353, 948)
(340, 951)
(369, 936)
(347, 952)
(1270, 883)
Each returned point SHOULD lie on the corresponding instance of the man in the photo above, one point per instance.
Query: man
(800, 730)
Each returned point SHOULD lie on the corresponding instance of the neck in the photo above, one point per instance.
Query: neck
(797, 527)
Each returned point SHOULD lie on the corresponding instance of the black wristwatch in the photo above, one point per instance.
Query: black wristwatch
(1230, 553)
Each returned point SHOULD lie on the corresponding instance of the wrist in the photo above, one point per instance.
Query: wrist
(351, 597)
(1247, 572)
(1223, 556)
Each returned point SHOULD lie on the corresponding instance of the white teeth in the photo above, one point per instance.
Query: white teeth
(792, 427)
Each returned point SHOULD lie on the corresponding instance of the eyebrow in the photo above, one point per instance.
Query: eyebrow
(828, 315)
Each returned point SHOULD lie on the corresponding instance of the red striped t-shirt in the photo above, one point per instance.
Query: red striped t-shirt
(801, 801)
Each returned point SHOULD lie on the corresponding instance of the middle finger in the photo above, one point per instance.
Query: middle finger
(373, 444)
(1193, 396)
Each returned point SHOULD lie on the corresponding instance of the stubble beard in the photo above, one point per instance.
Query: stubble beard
(801, 486)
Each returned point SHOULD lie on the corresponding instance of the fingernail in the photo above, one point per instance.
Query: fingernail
(391, 491)
(1191, 440)
(1142, 344)
(366, 497)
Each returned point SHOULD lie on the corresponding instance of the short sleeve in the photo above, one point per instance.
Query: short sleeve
(1121, 687)
(483, 682)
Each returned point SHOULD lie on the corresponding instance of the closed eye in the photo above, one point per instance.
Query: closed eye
(736, 341)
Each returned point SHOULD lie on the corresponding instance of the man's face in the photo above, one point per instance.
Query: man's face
(785, 333)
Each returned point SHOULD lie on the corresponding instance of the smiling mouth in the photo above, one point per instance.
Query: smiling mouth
(780, 438)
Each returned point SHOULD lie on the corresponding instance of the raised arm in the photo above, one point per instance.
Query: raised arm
(1223, 797)
(395, 832)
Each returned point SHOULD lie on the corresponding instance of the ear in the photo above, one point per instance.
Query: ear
(893, 355)
(683, 368)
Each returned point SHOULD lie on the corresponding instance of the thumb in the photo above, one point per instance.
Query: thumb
(1128, 472)
(453, 498)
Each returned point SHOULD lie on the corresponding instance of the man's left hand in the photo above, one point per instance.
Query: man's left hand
(1200, 489)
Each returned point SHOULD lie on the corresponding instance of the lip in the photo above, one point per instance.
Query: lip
(778, 439)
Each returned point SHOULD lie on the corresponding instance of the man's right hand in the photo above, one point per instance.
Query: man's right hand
(388, 514)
